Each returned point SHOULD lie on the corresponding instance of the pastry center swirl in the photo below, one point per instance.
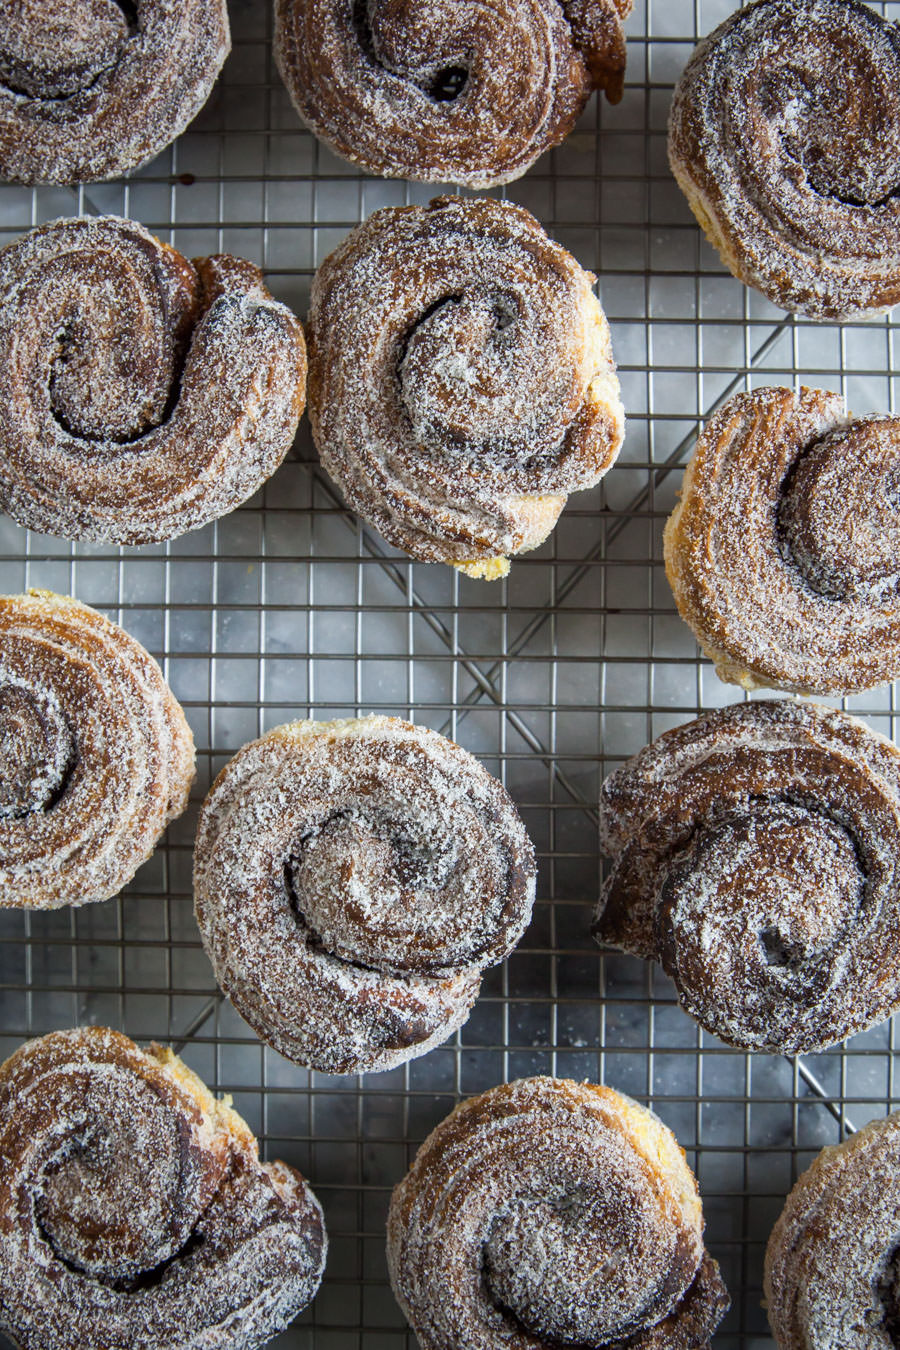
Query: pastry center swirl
(115, 364)
(843, 130)
(739, 904)
(55, 52)
(469, 384)
(814, 87)
(839, 516)
(107, 1200)
(36, 750)
(375, 887)
(393, 35)
(575, 1269)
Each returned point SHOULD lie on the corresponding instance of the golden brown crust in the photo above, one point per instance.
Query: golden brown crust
(782, 552)
(352, 880)
(756, 854)
(134, 1211)
(144, 395)
(832, 1276)
(96, 756)
(448, 91)
(90, 89)
(547, 1213)
(784, 136)
(461, 378)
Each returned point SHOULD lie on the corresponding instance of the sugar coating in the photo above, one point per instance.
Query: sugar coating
(461, 378)
(782, 552)
(546, 1213)
(96, 756)
(461, 92)
(785, 137)
(352, 880)
(144, 395)
(756, 854)
(90, 90)
(831, 1275)
(134, 1213)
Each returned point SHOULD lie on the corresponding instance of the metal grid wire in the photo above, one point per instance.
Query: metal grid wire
(287, 608)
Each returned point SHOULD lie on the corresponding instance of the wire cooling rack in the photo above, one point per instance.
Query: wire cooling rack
(287, 608)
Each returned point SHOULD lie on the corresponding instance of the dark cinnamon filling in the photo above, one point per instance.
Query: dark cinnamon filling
(37, 751)
(780, 952)
(448, 84)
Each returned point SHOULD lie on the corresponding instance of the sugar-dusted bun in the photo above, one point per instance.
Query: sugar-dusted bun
(448, 91)
(547, 1213)
(783, 550)
(92, 88)
(756, 854)
(785, 138)
(461, 379)
(134, 1211)
(143, 395)
(831, 1274)
(95, 754)
(352, 880)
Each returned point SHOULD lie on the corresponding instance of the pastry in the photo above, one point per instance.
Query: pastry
(453, 91)
(461, 380)
(134, 1211)
(831, 1276)
(92, 88)
(143, 395)
(784, 137)
(782, 552)
(756, 854)
(547, 1213)
(95, 754)
(352, 880)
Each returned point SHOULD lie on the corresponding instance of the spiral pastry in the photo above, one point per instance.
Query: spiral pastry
(455, 91)
(95, 754)
(461, 379)
(134, 1211)
(832, 1276)
(547, 1213)
(783, 551)
(756, 854)
(143, 395)
(785, 138)
(92, 88)
(352, 880)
